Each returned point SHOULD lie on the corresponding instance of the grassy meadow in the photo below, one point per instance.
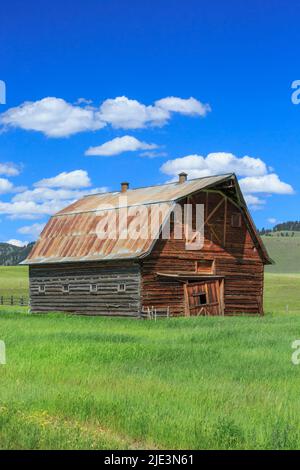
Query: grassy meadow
(285, 251)
(14, 280)
(75, 382)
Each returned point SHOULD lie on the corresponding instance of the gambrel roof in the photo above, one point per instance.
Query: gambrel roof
(71, 234)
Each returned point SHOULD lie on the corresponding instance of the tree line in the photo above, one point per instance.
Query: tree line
(284, 229)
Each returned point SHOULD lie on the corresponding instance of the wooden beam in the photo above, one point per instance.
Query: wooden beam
(222, 297)
(214, 211)
(187, 312)
(247, 219)
(206, 204)
(225, 222)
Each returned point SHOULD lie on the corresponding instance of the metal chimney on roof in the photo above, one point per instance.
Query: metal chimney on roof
(124, 187)
(182, 177)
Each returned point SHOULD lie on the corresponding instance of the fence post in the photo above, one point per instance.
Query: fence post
(14, 300)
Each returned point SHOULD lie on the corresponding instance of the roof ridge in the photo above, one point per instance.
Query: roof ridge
(153, 203)
(158, 185)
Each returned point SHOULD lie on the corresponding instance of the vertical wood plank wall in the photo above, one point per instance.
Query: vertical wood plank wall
(235, 255)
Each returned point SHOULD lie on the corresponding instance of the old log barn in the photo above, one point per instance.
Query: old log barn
(73, 270)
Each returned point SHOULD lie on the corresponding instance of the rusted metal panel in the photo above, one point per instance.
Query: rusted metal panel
(140, 196)
(73, 235)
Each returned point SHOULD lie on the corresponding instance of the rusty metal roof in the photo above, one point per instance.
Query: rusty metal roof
(73, 233)
(140, 196)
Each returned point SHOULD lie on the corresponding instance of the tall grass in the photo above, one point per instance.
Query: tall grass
(77, 382)
(14, 281)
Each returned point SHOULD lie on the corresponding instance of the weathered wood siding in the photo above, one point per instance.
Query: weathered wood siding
(79, 276)
(236, 258)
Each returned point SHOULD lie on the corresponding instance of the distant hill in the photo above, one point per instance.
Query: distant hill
(11, 255)
(284, 249)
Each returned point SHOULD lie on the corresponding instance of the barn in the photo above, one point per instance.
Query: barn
(77, 266)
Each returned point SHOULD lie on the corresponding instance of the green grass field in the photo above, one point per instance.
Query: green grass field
(13, 280)
(85, 382)
(285, 251)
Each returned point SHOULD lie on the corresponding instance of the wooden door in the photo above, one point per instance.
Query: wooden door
(205, 298)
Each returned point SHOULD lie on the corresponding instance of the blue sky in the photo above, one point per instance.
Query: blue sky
(236, 59)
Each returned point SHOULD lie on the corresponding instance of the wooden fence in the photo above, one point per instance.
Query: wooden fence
(19, 300)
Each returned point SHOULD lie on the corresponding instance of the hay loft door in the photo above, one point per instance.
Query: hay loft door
(204, 298)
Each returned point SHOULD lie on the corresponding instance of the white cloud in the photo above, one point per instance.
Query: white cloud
(119, 145)
(9, 169)
(34, 230)
(72, 180)
(198, 166)
(49, 196)
(122, 112)
(38, 204)
(254, 172)
(265, 184)
(189, 107)
(150, 154)
(55, 117)
(6, 186)
(30, 210)
(18, 243)
(52, 116)
(83, 101)
(254, 202)
(272, 220)
(125, 113)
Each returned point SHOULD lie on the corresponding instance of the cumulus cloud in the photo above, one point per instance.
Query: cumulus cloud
(119, 145)
(52, 116)
(272, 220)
(30, 210)
(6, 186)
(253, 172)
(9, 169)
(18, 243)
(49, 196)
(55, 117)
(254, 202)
(124, 113)
(72, 180)
(265, 184)
(189, 107)
(33, 230)
(198, 166)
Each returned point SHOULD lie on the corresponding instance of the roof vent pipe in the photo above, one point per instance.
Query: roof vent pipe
(182, 177)
(124, 187)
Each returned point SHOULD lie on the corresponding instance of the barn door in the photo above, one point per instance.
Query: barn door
(205, 298)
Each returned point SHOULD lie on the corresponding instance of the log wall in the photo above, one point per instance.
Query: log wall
(79, 277)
